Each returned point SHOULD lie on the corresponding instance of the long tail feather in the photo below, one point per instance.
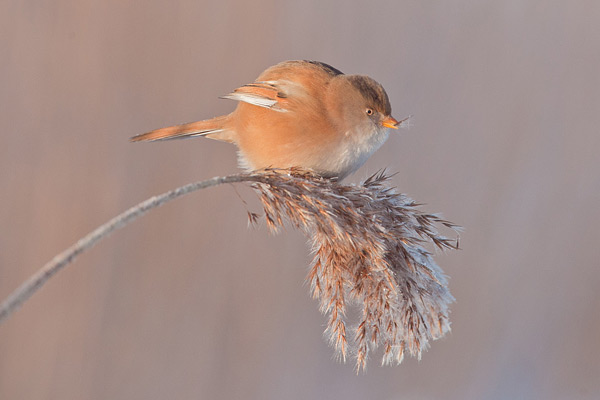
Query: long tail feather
(201, 128)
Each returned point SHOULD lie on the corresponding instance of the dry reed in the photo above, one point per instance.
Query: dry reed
(368, 243)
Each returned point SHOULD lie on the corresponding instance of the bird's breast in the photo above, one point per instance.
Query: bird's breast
(302, 137)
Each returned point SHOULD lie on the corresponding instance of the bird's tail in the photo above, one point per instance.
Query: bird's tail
(215, 128)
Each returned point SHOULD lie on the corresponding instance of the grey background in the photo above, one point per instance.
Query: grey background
(189, 302)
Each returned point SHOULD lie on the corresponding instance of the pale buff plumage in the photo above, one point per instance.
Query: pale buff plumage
(299, 114)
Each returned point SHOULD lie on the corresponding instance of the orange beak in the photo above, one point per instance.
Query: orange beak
(390, 122)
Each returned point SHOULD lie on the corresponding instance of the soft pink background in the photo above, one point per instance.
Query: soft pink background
(189, 303)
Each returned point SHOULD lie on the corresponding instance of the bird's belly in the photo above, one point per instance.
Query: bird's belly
(268, 138)
(273, 139)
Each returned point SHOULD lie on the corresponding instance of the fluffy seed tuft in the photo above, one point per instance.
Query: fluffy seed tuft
(369, 250)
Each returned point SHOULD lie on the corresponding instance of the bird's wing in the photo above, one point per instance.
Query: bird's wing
(268, 94)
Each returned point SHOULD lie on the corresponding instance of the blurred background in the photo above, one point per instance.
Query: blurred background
(189, 302)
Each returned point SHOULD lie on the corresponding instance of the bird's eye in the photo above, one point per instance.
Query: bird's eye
(369, 111)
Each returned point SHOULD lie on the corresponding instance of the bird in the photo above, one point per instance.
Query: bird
(299, 114)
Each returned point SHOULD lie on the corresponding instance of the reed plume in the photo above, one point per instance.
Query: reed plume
(369, 251)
